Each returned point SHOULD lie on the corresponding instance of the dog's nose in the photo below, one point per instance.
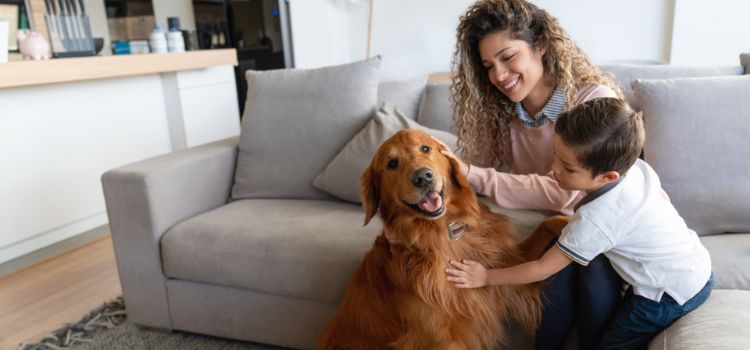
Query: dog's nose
(422, 177)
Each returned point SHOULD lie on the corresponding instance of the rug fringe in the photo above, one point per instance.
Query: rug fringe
(107, 316)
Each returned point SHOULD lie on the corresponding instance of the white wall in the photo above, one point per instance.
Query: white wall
(714, 32)
(616, 31)
(320, 36)
(417, 36)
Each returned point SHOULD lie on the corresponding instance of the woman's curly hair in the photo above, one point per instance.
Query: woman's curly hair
(480, 111)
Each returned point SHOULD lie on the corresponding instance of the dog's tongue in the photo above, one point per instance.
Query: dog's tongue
(431, 202)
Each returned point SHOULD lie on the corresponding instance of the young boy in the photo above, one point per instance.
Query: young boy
(626, 216)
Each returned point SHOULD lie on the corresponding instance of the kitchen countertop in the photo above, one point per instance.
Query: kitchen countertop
(60, 70)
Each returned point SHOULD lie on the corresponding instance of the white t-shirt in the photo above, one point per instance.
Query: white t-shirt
(642, 235)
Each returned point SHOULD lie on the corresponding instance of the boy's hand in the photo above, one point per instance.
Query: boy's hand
(467, 274)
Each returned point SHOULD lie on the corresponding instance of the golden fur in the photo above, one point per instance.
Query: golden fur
(400, 297)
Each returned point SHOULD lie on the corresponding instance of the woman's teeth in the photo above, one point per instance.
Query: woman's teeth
(511, 84)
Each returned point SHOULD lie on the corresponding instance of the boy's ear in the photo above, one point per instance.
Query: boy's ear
(609, 176)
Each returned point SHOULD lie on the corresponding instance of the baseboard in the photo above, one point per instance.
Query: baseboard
(66, 244)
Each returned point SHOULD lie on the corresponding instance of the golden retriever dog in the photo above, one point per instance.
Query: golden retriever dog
(400, 297)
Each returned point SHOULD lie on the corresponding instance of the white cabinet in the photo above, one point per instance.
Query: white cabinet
(208, 100)
(57, 139)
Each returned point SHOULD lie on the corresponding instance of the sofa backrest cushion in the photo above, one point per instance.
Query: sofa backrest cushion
(403, 94)
(296, 121)
(697, 141)
(341, 177)
(625, 74)
(435, 110)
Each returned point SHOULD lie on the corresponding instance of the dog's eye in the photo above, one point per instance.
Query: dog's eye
(393, 163)
(425, 149)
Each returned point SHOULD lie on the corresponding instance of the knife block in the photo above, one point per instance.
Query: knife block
(70, 36)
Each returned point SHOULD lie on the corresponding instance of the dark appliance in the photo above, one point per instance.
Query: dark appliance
(257, 29)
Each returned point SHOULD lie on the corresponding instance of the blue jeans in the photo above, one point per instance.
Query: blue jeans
(639, 319)
(587, 296)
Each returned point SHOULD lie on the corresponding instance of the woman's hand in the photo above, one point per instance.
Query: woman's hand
(467, 274)
(446, 151)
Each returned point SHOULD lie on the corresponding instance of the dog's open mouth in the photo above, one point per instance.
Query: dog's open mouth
(431, 204)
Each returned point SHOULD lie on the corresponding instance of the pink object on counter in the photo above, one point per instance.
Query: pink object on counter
(32, 45)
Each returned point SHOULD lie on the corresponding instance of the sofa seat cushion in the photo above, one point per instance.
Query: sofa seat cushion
(720, 323)
(525, 221)
(730, 255)
(305, 249)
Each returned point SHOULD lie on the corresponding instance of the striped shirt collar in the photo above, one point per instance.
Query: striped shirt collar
(550, 112)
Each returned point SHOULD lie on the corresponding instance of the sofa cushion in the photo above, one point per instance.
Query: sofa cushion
(730, 255)
(435, 110)
(524, 220)
(625, 74)
(341, 176)
(745, 61)
(296, 248)
(720, 323)
(295, 122)
(697, 140)
(404, 94)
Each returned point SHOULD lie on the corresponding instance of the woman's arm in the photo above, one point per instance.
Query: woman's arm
(530, 191)
(471, 274)
(513, 191)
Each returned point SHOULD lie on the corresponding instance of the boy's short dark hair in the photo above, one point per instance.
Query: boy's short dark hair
(605, 133)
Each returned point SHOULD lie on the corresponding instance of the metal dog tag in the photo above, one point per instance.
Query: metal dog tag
(456, 230)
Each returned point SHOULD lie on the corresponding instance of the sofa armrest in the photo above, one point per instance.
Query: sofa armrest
(144, 200)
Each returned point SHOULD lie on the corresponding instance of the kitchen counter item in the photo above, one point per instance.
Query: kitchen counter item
(32, 45)
(175, 41)
(158, 41)
(69, 28)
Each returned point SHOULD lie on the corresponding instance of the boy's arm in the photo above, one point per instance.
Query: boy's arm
(471, 274)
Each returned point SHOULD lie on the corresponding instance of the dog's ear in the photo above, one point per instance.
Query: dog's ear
(458, 179)
(369, 193)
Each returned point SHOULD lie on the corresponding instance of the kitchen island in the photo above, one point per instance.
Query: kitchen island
(64, 122)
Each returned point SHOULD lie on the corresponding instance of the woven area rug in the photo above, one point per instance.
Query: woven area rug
(107, 327)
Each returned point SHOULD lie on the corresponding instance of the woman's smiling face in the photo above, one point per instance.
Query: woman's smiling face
(513, 66)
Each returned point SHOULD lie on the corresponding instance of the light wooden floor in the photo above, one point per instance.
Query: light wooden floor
(60, 290)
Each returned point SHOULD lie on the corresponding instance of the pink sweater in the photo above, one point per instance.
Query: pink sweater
(530, 185)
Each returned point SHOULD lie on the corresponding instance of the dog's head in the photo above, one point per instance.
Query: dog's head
(410, 176)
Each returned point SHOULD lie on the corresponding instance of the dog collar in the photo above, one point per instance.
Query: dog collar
(456, 230)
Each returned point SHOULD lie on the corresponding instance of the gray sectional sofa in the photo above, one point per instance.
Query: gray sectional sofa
(234, 238)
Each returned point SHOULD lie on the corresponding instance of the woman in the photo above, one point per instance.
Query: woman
(514, 71)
